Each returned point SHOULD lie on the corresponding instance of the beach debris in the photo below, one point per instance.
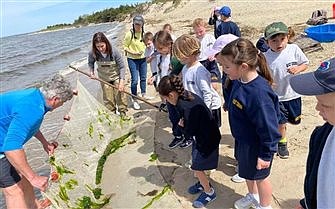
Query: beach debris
(151, 193)
(67, 117)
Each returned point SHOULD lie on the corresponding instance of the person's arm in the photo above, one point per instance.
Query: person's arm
(18, 159)
(121, 66)
(47, 146)
(297, 69)
(90, 61)
(126, 42)
(203, 82)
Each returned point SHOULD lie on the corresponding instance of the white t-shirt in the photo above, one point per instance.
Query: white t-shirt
(326, 174)
(149, 51)
(279, 63)
(163, 66)
(197, 80)
(206, 42)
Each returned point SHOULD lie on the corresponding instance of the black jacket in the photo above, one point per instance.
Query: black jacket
(316, 145)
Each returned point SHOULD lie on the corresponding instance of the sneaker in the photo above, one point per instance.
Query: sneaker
(283, 151)
(196, 188)
(246, 202)
(124, 117)
(163, 107)
(203, 200)
(237, 179)
(186, 143)
(136, 105)
(176, 141)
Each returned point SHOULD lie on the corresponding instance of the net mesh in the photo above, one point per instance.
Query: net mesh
(85, 142)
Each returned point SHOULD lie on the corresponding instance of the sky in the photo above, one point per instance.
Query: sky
(24, 16)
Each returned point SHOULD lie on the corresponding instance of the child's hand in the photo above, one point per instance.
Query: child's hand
(293, 70)
(211, 58)
(121, 85)
(151, 80)
(181, 122)
(261, 164)
(298, 207)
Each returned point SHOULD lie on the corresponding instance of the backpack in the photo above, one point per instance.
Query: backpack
(319, 17)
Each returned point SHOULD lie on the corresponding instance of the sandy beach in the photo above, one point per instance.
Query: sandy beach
(287, 175)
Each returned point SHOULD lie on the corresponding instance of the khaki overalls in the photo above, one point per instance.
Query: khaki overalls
(108, 71)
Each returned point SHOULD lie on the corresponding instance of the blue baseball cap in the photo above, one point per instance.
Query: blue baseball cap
(225, 11)
(321, 81)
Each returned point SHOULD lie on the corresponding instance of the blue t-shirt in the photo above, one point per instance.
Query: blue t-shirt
(253, 110)
(21, 115)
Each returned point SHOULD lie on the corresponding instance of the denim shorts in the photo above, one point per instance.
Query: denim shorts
(8, 174)
(290, 111)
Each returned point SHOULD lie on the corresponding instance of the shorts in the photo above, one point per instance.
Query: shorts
(290, 111)
(213, 68)
(201, 163)
(247, 156)
(8, 174)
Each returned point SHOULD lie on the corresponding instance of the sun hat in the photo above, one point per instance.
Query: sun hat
(274, 29)
(225, 11)
(321, 81)
(138, 19)
(218, 45)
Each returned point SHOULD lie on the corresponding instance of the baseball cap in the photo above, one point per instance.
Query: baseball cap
(274, 29)
(225, 11)
(218, 45)
(321, 81)
(138, 19)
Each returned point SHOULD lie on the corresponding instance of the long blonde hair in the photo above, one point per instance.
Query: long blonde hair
(186, 46)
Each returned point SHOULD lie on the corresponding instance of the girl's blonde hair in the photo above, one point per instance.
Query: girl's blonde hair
(199, 22)
(186, 46)
(243, 51)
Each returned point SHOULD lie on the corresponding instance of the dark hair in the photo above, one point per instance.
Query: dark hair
(98, 38)
(141, 19)
(171, 83)
(167, 26)
(243, 51)
(163, 38)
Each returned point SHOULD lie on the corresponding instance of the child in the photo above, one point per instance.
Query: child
(207, 41)
(252, 107)
(111, 69)
(196, 77)
(215, 19)
(168, 28)
(134, 48)
(319, 184)
(227, 26)
(198, 122)
(163, 43)
(151, 56)
(285, 60)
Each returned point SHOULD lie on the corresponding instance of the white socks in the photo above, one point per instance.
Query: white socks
(256, 196)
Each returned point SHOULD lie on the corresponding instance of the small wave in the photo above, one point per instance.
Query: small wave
(47, 60)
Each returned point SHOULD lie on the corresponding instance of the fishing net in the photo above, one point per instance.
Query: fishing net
(85, 142)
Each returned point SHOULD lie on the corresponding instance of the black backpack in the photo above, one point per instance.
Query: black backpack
(319, 17)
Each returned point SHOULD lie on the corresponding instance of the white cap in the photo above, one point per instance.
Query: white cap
(218, 45)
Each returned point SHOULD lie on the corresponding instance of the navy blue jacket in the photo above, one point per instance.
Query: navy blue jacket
(316, 145)
(228, 27)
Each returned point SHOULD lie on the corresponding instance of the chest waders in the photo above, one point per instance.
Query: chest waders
(113, 99)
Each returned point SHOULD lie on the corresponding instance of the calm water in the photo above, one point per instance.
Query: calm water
(30, 58)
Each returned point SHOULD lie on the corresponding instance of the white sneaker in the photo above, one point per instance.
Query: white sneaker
(136, 105)
(246, 202)
(237, 179)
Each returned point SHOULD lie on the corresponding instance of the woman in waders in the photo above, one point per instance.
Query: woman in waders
(110, 68)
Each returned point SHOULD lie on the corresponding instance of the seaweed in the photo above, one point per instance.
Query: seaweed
(111, 148)
(165, 189)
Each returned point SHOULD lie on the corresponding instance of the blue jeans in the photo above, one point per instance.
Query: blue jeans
(137, 67)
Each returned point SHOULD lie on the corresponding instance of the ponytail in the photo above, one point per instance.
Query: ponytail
(264, 69)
